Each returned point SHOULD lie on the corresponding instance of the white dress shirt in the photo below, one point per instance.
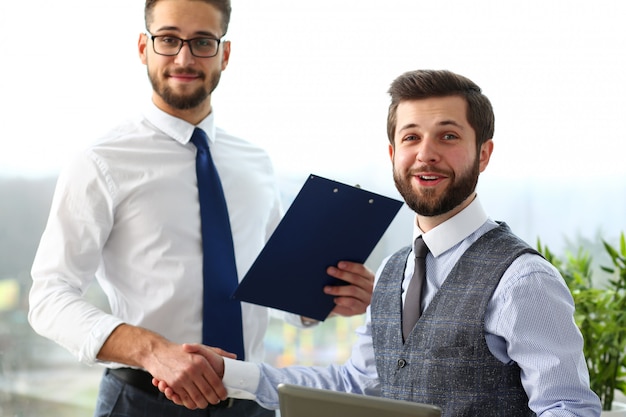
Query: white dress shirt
(126, 212)
(529, 321)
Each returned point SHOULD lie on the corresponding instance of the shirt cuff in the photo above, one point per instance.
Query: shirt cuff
(241, 379)
(99, 334)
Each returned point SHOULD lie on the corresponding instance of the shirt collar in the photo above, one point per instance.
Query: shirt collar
(176, 128)
(454, 230)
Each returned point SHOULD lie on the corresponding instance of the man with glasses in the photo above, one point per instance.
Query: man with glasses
(126, 211)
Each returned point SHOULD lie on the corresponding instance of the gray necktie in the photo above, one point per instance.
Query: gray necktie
(413, 298)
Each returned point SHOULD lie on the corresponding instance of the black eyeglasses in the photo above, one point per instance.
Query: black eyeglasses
(168, 45)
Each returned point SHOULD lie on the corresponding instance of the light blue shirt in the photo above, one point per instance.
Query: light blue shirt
(529, 321)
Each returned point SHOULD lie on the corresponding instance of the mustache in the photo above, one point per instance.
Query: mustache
(184, 71)
(428, 168)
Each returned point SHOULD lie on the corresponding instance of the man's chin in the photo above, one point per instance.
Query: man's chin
(184, 101)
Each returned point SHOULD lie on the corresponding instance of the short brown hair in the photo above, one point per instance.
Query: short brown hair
(421, 84)
(222, 5)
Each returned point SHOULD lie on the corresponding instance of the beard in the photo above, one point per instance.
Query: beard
(428, 204)
(184, 101)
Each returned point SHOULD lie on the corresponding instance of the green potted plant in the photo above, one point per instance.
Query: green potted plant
(600, 315)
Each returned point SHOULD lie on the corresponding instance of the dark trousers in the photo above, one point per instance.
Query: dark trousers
(117, 398)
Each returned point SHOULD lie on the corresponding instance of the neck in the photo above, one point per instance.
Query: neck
(427, 223)
(193, 116)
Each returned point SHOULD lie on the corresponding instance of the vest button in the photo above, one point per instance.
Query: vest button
(401, 363)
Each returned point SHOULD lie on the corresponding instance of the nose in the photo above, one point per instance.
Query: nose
(184, 57)
(428, 152)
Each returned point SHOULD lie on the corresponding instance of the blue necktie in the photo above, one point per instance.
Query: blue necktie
(221, 320)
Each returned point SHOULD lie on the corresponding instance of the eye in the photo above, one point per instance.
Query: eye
(203, 42)
(450, 136)
(169, 40)
(409, 138)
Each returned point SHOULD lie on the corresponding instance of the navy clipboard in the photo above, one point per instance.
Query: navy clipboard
(327, 222)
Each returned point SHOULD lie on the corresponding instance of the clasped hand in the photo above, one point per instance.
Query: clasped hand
(350, 300)
(195, 389)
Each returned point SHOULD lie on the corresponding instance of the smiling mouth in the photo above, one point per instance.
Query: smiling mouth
(185, 76)
(188, 75)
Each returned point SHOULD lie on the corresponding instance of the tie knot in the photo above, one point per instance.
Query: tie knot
(199, 138)
(420, 248)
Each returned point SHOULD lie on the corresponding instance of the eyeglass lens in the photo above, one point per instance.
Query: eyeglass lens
(200, 47)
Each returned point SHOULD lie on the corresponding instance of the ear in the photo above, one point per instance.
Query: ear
(485, 154)
(225, 54)
(391, 150)
(142, 44)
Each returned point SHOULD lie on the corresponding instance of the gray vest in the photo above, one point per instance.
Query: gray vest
(445, 360)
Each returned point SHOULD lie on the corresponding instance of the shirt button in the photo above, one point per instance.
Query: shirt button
(401, 363)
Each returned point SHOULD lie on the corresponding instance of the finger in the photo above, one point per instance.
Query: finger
(205, 386)
(172, 396)
(186, 401)
(352, 273)
(355, 268)
(193, 397)
(210, 368)
(166, 389)
(215, 376)
(168, 392)
(209, 390)
(349, 300)
(213, 390)
(224, 353)
(198, 348)
(188, 393)
(351, 291)
(192, 347)
(346, 306)
(361, 288)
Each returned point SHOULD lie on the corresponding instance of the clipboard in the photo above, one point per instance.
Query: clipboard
(327, 222)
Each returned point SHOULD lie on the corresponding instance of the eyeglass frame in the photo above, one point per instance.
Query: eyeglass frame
(183, 41)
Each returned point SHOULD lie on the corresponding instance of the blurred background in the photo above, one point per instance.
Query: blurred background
(308, 81)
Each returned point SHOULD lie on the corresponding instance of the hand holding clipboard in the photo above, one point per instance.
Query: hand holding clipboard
(327, 222)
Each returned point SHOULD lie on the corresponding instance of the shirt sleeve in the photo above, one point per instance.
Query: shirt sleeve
(531, 323)
(260, 381)
(66, 261)
(290, 318)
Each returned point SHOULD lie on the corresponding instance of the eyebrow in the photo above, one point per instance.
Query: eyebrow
(441, 123)
(177, 29)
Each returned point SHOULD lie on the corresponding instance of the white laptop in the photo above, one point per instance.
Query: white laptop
(299, 401)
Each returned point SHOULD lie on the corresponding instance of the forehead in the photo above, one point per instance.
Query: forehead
(186, 17)
(432, 111)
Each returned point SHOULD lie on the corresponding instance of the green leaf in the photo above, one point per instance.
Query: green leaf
(600, 314)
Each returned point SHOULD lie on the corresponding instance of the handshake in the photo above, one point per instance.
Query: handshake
(191, 374)
(199, 383)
